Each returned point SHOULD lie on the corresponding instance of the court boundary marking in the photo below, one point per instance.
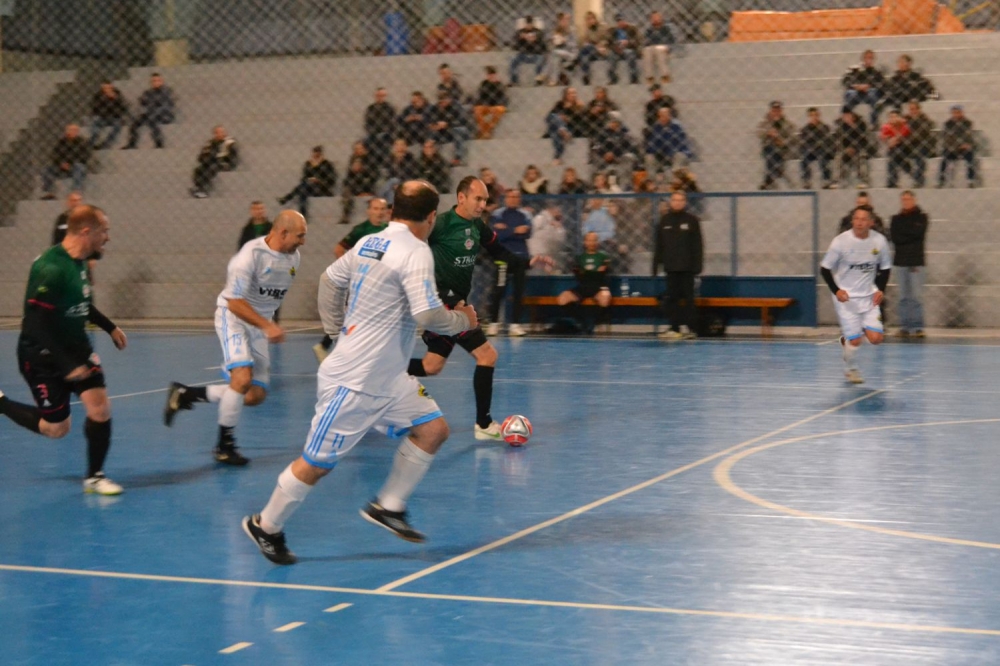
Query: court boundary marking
(723, 477)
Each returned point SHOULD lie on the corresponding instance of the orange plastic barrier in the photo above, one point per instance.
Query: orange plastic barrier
(477, 37)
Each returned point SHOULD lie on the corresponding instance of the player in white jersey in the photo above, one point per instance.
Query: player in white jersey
(376, 295)
(856, 268)
(257, 280)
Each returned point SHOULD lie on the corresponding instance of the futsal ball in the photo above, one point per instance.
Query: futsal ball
(516, 430)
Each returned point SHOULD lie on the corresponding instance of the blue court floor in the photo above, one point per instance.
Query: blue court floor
(697, 503)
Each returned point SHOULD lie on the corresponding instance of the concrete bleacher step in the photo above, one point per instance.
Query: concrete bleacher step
(21, 94)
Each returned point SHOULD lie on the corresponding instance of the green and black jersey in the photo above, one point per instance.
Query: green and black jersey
(588, 269)
(456, 243)
(57, 307)
(359, 231)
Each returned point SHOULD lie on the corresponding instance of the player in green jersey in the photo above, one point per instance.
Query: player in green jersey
(591, 271)
(455, 241)
(54, 352)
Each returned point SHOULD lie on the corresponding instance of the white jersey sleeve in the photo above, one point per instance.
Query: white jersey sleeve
(885, 254)
(260, 276)
(832, 257)
(418, 281)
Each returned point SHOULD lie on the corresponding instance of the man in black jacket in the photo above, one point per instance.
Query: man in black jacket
(529, 42)
(908, 229)
(816, 144)
(257, 226)
(157, 105)
(865, 84)
(69, 160)
(906, 85)
(380, 126)
(863, 201)
(319, 177)
(679, 249)
(107, 109)
(218, 154)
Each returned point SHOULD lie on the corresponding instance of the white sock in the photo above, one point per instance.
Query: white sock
(408, 468)
(215, 392)
(230, 405)
(850, 351)
(286, 498)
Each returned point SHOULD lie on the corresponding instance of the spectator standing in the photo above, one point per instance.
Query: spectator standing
(921, 143)
(529, 42)
(864, 202)
(562, 50)
(512, 225)
(816, 144)
(257, 226)
(656, 49)
(494, 191)
(850, 139)
(433, 168)
(571, 184)
(532, 182)
(616, 150)
(448, 123)
(907, 85)
(625, 44)
(958, 143)
(157, 108)
(107, 109)
(380, 125)
(865, 84)
(402, 166)
(908, 230)
(594, 44)
(319, 178)
(679, 250)
(73, 199)
(220, 153)
(69, 160)
(667, 139)
(776, 134)
(491, 104)
(896, 133)
(548, 235)
(600, 221)
(413, 119)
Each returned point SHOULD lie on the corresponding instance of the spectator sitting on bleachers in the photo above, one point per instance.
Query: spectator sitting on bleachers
(657, 101)
(562, 50)
(667, 140)
(532, 182)
(906, 85)
(413, 119)
(615, 150)
(157, 104)
(220, 153)
(776, 134)
(108, 109)
(571, 184)
(491, 104)
(512, 225)
(564, 121)
(921, 143)
(69, 160)
(257, 226)
(73, 199)
(656, 49)
(895, 133)
(448, 122)
(816, 145)
(601, 183)
(548, 237)
(594, 44)
(600, 219)
(359, 182)
(402, 167)
(863, 201)
(625, 44)
(448, 83)
(591, 271)
(602, 100)
(319, 178)
(850, 140)
(529, 42)
(494, 190)
(433, 168)
(380, 126)
(958, 143)
(865, 84)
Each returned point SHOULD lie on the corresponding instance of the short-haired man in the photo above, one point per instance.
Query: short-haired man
(73, 199)
(907, 85)
(863, 200)
(380, 125)
(449, 123)
(529, 42)
(413, 119)
(220, 153)
(107, 109)
(656, 49)
(491, 103)
(257, 279)
(512, 225)
(625, 44)
(908, 230)
(895, 133)
(157, 104)
(54, 352)
(256, 227)
(776, 134)
(69, 160)
(591, 271)
(921, 142)
(856, 269)
(864, 84)
(958, 143)
(666, 142)
(679, 249)
(816, 145)
(363, 384)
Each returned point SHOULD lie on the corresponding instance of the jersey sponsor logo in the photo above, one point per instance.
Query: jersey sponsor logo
(465, 262)
(291, 271)
(374, 248)
(867, 266)
(79, 310)
(422, 392)
(273, 292)
(469, 243)
(875, 250)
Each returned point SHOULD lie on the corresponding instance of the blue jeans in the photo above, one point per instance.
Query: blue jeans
(911, 288)
(78, 172)
(953, 156)
(557, 127)
(536, 59)
(632, 58)
(588, 54)
(97, 124)
(459, 135)
(806, 166)
(852, 98)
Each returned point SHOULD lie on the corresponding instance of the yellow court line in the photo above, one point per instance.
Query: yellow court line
(235, 648)
(506, 601)
(723, 476)
(288, 627)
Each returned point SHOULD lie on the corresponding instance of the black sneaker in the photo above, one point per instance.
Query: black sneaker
(177, 399)
(394, 521)
(228, 454)
(272, 546)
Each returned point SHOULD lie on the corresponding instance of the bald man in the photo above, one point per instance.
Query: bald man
(257, 280)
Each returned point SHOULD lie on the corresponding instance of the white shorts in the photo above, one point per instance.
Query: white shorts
(858, 315)
(243, 345)
(343, 416)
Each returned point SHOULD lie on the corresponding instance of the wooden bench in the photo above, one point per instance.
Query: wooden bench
(766, 305)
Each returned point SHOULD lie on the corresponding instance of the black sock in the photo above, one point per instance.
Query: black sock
(482, 384)
(196, 394)
(98, 442)
(327, 342)
(226, 436)
(23, 415)
(416, 368)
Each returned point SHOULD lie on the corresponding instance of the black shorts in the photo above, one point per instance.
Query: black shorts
(585, 291)
(51, 390)
(442, 345)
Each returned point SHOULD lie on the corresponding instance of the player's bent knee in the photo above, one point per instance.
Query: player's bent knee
(241, 380)
(431, 435)
(255, 396)
(874, 338)
(433, 364)
(486, 355)
(55, 430)
(856, 342)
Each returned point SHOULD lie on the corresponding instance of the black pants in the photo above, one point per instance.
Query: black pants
(205, 173)
(303, 191)
(506, 274)
(680, 287)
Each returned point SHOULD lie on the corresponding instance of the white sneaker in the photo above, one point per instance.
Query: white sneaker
(101, 485)
(854, 376)
(493, 329)
(491, 433)
(516, 330)
(671, 335)
(321, 353)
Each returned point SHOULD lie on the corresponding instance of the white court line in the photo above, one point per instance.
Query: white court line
(826, 342)
(235, 648)
(288, 627)
(851, 520)
(149, 392)
(337, 608)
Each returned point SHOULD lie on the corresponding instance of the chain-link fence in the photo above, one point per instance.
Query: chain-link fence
(710, 97)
